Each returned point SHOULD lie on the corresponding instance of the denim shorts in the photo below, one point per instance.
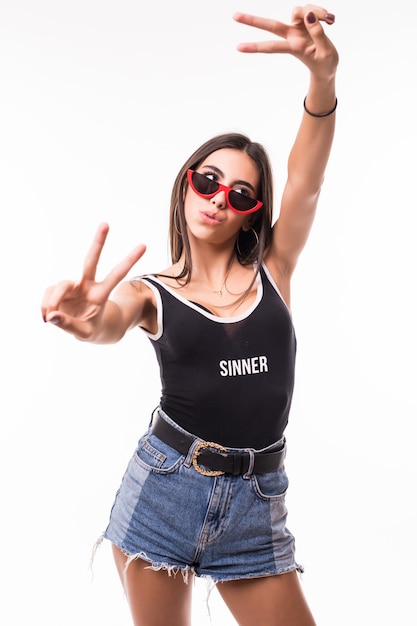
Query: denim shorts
(223, 528)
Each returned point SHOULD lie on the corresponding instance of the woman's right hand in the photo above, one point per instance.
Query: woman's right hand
(304, 38)
(78, 307)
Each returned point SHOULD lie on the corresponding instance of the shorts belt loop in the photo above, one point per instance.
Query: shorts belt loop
(251, 464)
(189, 458)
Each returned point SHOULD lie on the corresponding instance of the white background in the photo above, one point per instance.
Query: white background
(100, 104)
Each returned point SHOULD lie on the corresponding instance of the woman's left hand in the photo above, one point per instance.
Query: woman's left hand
(304, 38)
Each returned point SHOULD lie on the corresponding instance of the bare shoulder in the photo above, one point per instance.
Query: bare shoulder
(134, 288)
(138, 288)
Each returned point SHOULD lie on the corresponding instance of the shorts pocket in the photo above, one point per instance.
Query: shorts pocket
(156, 456)
(270, 486)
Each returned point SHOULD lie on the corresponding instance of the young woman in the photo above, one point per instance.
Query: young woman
(204, 491)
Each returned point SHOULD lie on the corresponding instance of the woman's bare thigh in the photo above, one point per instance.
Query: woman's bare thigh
(269, 601)
(155, 597)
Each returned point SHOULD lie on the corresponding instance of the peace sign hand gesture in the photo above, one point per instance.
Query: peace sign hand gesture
(78, 307)
(304, 38)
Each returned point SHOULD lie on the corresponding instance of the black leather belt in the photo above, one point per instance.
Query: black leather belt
(218, 459)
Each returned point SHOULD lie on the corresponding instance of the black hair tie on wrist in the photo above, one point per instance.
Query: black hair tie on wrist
(321, 114)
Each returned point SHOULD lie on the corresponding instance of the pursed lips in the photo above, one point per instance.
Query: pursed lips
(211, 217)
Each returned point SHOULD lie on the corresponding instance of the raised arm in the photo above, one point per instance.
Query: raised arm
(84, 309)
(304, 39)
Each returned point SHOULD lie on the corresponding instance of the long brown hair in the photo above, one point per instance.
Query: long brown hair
(250, 247)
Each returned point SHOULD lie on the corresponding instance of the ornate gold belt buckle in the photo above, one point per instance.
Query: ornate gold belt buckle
(200, 446)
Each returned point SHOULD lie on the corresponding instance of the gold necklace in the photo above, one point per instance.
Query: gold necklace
(219, 292)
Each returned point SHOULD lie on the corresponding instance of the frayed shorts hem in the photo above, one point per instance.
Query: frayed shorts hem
(287, 570)
(186, 570)
(172, 570)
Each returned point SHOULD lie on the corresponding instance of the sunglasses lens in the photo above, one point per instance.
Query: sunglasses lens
(204, 185)
(240, 202)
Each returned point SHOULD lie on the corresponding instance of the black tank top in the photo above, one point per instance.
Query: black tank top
(228, 380)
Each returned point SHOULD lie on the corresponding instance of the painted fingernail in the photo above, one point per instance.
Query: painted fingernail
(55, 320)
(330, 17)
(311, 18)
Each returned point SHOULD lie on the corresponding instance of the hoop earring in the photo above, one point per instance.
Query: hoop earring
(256, 236)
(256, 244)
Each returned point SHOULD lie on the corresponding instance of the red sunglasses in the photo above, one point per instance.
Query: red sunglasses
(207, 188)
